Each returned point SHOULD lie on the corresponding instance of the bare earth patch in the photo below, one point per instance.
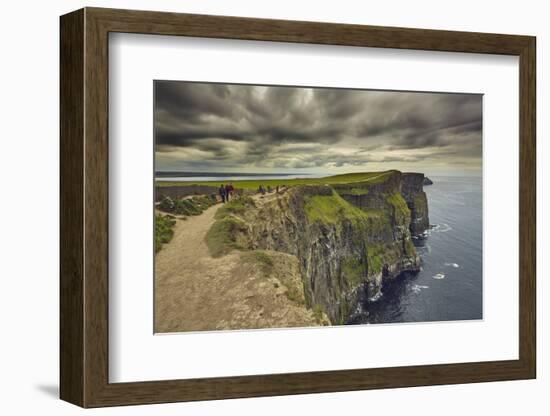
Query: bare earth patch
(196, 292)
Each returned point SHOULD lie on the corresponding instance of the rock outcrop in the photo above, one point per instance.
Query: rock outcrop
(413, 192)
(348, 237)
(427, 181)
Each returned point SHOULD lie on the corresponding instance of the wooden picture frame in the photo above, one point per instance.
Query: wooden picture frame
(84, 207)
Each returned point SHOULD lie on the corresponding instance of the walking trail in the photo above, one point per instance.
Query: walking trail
(196, 292)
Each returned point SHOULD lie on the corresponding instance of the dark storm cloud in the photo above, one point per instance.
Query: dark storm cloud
(190, 101)
(423, 120)
(283, 127)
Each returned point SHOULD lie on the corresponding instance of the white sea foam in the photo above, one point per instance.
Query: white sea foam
(439, 276)
(456, 266)
(375, 297)
(418, 288)
(438, 228)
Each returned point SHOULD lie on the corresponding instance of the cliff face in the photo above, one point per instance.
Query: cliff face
(413, 192)
(347, 237)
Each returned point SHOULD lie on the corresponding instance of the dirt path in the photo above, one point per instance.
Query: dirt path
(196, 292)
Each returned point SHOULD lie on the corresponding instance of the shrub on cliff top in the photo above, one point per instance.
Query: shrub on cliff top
(204, 202)
(164, 231)
(187, 206)
(167, 204)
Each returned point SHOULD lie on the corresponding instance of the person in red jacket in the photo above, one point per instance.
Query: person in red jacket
(229, 191)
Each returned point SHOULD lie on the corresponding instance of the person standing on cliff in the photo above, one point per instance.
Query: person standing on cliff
(227, 192)
(223, 193)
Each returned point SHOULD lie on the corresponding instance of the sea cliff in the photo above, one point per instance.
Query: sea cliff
(349, 238)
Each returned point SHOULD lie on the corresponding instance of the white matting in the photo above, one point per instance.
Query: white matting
(136, 354)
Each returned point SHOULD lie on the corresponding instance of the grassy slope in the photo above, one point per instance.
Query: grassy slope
(371, 177)
(333, 209)
(223, 236)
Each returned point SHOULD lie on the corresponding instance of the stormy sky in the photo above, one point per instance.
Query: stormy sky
(203, 127)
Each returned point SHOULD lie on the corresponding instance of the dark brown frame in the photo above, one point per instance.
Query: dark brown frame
(84, 208)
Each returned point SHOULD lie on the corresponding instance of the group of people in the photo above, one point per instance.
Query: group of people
(226, 192)
(262, 190)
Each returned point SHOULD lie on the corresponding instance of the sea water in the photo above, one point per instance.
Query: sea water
(450, 284)
(235, 176)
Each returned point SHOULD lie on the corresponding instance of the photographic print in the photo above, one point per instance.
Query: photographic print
(294, 206)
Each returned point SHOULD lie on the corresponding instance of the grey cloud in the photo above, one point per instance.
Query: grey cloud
(289, 127)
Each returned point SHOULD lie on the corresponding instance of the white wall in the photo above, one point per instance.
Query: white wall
(29, 223)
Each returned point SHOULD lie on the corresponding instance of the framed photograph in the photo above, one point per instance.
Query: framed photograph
(260, 207)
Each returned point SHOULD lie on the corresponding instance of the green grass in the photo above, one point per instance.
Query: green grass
(375, 258)
(357, 191)
(380, 254)
(370, 177)
(222, 237)
(235, 207)
(401, 210)
(204, 202)
(332, 209)
(410, 249)
(164, 230)
(353, 271)
(186, 206)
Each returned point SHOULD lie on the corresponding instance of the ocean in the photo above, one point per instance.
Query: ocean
(224, 176)
(450, 285)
